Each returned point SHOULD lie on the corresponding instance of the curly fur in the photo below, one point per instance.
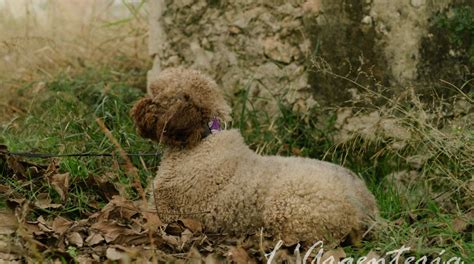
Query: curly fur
(218, 180)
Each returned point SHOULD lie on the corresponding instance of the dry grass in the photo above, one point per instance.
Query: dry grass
(67, 35)
(39, 39)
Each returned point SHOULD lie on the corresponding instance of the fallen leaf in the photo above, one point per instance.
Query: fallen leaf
(53, 167)
(75, 239)
(153, 222)
(60, 183)
(172, 241)
(94, 239)
(8, 222)
(191, 224)
(239, 255)
(13, 203)
(115, 254)
(60, 225)
(15, 165)
(96, 258)
(109, 230)
(43, 201)
(44, 225)
(114, 233)
(32, 228)
(118, 208)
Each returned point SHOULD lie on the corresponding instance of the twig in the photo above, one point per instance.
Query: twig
(132, 171)
(458, 89)
(128, 163)
(85, 154)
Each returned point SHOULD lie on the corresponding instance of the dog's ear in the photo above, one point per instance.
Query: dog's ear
(145, 114)
(176, 121)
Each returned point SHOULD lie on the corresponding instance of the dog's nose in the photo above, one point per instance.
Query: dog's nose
(206, 132)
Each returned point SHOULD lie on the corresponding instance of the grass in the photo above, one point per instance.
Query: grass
(460, 28)
(38, 40)
(59, 117)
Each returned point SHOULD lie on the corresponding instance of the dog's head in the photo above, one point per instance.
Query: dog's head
(180, 105)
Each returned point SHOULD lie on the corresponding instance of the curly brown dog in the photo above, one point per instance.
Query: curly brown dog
(295, 199)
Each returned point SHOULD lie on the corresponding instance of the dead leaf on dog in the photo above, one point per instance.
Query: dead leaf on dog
(60, 183)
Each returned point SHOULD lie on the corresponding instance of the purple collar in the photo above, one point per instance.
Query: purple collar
(215, 125)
